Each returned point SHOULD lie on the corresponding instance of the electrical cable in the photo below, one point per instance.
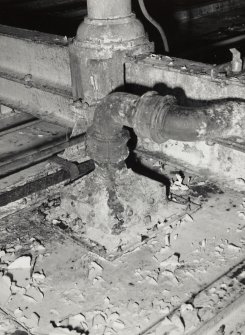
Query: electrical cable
(155, 24)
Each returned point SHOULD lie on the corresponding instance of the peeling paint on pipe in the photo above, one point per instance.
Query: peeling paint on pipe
(158, 118)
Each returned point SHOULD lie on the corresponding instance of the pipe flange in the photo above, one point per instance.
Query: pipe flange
(107, 150)
(150, 115)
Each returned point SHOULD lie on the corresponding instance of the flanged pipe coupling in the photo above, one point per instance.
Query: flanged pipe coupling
(150, 115)
(106, 150)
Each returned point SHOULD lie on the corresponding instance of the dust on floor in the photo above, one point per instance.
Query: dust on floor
(51, 284)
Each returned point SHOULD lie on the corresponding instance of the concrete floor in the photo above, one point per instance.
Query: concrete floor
(62, 288)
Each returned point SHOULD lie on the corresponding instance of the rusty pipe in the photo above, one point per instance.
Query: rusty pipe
(108, 9)
(158, 118)
(161, 118)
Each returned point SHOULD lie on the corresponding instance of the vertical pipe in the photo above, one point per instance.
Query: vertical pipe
(108, 9)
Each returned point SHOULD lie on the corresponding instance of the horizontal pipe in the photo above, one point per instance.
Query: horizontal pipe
(159, 118)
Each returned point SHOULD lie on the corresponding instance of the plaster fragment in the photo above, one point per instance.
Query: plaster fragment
(5, 289)
(233, 247)
(172, 261)
(95, 270)
(38, 277)
(240, 182)
(118, 325)
(241, 215)
(23, 262)
(32, 321)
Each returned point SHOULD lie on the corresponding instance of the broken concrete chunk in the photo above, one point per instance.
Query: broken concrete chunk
(169, 277)
(29, 299)
(21, 276)
(95, 270)
(8, 257)
(233, 247)
(5, 110)
(107, 301)
(5, 289)
(167, 327)
(133, 306)
(171, 262)
(187, 218)
(241, 215)
(176, 320)
(151, 280)
(118, 325)
(98, 281)
(37, 245)
(23, 262)
(18, 313)
(165, 310)
(17, 289)
(189, 316)
(114, 316)
(32, 321)
(203, 243)
(240, 182)
(38, 277)
(78, 321)
(175, 300)
(219, 249)
(205, 313)
(35, 293)
(178, 184)
(167, 240)
(99, 319)
(202, 300)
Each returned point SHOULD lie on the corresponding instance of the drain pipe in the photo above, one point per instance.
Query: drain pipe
(107, 36)
(158, 118)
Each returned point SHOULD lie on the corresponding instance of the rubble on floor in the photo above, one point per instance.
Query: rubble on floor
(52, 284)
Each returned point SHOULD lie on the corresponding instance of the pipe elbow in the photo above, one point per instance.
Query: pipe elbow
(106, 138)
(114, 112)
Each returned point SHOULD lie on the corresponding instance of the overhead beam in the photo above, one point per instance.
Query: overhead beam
(36, 56)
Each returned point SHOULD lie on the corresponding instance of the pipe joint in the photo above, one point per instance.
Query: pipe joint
(158, 118)
(106, 138)
(150, 115)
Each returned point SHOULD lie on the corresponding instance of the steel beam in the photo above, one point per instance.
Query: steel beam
(35, 75)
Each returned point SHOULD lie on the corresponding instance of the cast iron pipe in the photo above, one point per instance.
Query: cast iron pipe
(161, 118)
(108, 9)
(158, 118)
